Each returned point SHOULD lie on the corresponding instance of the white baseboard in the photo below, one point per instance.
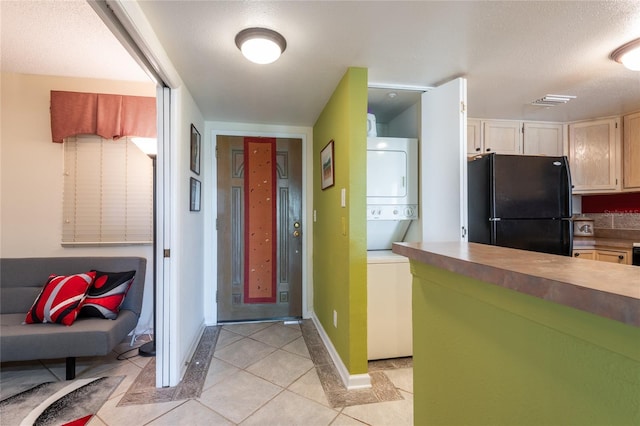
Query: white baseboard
(350, 381)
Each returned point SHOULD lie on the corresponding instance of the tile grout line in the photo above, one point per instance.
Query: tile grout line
(337, 395)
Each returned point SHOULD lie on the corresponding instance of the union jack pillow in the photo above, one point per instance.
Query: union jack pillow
(60, 299)
(107, 293)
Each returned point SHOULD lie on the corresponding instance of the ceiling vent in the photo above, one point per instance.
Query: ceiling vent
(552, 100)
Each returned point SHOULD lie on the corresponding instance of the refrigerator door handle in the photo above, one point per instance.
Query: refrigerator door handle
(494, 219)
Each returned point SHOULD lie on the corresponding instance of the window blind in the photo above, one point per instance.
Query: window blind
(108, 192)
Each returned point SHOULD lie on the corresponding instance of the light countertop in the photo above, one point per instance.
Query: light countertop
(385, 256)
(605, 289)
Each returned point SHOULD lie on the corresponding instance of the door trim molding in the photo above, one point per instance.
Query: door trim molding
(305, 134)
(350, 381)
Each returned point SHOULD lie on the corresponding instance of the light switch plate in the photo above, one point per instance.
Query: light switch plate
(343, 197)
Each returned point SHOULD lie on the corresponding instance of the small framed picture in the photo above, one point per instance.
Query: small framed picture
(327, 165)
(195, 150)
(194, 197)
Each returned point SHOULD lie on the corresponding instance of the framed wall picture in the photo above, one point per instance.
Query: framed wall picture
(194, 195)
(327, 166)
(195, 150)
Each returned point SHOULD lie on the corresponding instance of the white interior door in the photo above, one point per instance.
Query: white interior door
(444, 162)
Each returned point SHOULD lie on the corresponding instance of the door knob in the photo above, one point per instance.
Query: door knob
(296, 224)
(296, 233)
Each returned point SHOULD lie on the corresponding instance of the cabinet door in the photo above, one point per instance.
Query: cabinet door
(542, 139)
(584, 254)
(389, 326)
(592, 156)
(474, 136)
(443, 168)
(502, 137)
(631, 151)
(612, 256)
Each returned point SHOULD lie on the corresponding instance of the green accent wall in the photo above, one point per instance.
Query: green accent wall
(486, 355)
(340, 234)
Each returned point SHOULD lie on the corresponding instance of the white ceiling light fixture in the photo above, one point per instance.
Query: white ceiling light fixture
(628, 55)
(260, 45)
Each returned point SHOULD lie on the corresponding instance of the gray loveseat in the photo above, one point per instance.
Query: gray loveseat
(22, 279)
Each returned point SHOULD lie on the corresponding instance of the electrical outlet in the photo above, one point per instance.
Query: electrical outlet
(335, 319)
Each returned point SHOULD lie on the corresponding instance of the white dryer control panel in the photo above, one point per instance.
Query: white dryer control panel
(393, 212)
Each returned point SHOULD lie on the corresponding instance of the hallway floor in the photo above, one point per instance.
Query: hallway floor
(260, 374)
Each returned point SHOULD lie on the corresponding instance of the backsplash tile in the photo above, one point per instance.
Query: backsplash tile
(615, 220)
(616, 225)
(601, 220)
(626, 220)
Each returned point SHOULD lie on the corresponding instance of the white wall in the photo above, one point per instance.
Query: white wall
(31, 173)
(214, 128)
(406, 124)
(187, 302)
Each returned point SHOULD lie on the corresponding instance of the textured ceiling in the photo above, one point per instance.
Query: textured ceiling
(62, 38)
(510, 52)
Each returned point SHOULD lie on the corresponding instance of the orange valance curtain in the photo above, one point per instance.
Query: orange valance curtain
(108, 116)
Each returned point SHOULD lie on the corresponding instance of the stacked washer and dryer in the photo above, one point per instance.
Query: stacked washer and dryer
(392, 205)
(392, 190)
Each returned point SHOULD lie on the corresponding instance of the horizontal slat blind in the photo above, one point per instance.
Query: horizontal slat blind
(108, 192)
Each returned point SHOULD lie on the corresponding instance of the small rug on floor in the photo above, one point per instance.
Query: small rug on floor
(72, 402)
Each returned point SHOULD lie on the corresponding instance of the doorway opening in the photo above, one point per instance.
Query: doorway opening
(259, 223)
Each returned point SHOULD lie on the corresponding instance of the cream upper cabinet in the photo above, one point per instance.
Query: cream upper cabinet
(542, 139)
(594, 152)
(474, 136)
(631, 151)
(502, 137)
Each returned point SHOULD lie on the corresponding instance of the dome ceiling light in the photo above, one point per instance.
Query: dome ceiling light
(628, 55)
(260, 45)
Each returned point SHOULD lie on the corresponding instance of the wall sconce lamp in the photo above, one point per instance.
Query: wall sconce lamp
(628, 55)
(260, 45)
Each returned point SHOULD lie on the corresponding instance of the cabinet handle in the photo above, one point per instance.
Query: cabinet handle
(621, 257)
(576, 254)
(477, 149)
(488, 149)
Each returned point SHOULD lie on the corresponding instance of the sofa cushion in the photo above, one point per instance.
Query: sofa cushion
(106, 294)
(18, 300)
(33, 271)
(86, 337)
(60, 299)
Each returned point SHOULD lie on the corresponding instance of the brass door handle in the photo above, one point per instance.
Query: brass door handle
(296, 233)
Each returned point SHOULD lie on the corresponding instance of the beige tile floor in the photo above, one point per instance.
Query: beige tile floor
(261, 374)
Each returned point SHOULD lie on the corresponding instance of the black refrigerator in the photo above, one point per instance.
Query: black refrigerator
(520, 201)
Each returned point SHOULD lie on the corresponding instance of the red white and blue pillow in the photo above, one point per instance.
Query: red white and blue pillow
(60, 299)
(105, 296)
